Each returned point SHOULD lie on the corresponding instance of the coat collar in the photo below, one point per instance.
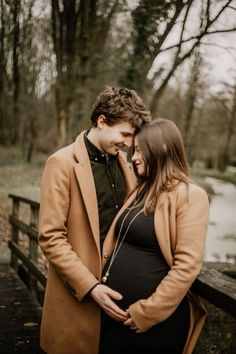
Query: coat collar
(80, 151)
(85, 179)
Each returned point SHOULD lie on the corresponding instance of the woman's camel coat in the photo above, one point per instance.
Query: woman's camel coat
(69, 237)
(180, 220)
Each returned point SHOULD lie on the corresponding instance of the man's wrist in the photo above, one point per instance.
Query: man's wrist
(90, 290)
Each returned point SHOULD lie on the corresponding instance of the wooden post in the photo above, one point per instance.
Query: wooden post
(33, 247)
(15, 232)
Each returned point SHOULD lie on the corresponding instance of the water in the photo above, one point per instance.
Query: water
(221, 235)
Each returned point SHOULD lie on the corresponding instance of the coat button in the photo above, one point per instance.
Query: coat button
(105, 255)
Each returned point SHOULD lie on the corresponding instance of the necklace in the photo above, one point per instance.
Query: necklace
(120, 239)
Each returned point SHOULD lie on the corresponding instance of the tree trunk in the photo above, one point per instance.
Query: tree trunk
(2, 70)
(16, 73)
(224, 157)
(188, 136)
(61, 117)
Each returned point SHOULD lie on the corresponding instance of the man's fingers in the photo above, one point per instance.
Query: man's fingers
(104, 296)
(115, 310)
(114, 294)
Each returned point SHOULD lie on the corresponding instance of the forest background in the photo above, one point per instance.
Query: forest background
(56, 56)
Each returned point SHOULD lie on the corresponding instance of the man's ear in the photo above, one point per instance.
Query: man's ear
(101, 121)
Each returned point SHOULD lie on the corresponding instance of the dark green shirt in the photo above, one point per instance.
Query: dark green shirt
(109, 183)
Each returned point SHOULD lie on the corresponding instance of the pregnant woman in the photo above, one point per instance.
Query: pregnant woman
(154, 251)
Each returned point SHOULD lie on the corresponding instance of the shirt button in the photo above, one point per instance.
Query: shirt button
(117, 206)
(96, 159)
(113, 186)
(102, 155)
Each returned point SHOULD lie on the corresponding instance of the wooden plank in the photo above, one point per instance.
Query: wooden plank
(20, 316)
(217, 288)
(27, 229)
(24, 200)
(29, 264)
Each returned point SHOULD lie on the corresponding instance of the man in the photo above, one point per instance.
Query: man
(83, 186)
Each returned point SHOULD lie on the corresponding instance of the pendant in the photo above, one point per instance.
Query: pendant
(104, 279)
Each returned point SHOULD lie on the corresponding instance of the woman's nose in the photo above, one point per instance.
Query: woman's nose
(133, 158)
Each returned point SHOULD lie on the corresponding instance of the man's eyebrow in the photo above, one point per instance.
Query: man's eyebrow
(127, 133)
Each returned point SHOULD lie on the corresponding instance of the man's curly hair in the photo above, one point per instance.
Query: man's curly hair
(120, 104)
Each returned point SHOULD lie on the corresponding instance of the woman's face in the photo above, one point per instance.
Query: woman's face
(137, 159)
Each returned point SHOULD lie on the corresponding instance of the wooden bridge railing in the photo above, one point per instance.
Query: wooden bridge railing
(26, 257)
(215, 287)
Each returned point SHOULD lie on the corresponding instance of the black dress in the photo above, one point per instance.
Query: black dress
(136, 272)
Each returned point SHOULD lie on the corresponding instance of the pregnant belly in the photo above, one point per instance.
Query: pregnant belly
(135, 273)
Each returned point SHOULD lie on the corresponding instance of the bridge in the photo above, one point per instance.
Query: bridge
(23, 283)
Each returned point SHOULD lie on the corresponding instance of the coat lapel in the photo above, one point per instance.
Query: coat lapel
(161, 225)
(85, 179)
(109, 242)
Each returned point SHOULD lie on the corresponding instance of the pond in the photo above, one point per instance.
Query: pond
(221, 235)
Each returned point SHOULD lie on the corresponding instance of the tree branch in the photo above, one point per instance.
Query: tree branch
(198, 36)
(219, 13)
(168, 28)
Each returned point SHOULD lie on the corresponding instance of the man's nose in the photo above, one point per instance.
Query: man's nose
(128, 142)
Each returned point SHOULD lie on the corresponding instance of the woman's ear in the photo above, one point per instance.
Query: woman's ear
(101, 121)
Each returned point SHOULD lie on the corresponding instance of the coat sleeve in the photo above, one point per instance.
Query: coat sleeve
(191, 226)
(54, 206)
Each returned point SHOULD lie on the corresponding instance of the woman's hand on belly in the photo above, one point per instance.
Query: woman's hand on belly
(104, 296)
(131, 324)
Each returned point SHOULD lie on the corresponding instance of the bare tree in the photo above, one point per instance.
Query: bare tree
(2, 71)
(194, 86)
(147, 37)
(15, 10)
(224, 155)
(207, 20)
(79, 31)
(153, 23)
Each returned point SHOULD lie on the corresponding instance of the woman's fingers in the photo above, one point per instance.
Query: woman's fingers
(130, 323)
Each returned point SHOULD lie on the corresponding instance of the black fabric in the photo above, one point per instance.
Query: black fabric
(167, 337)
(109, 183)
(136, 272)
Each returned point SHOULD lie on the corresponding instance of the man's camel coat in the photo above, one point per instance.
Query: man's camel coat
(69, 237)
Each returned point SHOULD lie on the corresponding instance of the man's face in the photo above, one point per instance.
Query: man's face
(113, 138)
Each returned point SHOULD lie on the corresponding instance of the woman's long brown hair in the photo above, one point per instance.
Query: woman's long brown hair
(161, 146)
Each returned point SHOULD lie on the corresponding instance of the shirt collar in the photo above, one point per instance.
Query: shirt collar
(97, 155)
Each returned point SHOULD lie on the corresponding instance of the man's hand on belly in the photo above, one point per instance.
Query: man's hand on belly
(104, 296)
